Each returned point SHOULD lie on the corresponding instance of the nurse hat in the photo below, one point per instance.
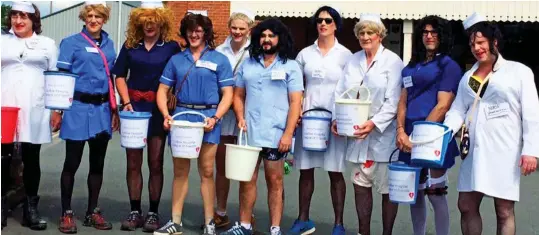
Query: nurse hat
(473, 19)
(151, 4)
(246, 12)
(104, 3)
(370, 17)
(24, 7)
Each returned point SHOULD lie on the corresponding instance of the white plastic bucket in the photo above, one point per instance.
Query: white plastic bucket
(134, 129)
(429, 143)
(186, 137)
(315, 131)
(240, 163)
(351, 113)
(59, 89)
(403, 182)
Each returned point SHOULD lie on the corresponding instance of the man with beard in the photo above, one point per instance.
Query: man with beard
(267, 103)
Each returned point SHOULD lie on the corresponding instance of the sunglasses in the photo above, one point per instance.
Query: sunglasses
(327, 20)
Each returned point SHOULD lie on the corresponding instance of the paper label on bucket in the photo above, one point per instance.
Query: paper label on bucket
(315, 134)
(186, 141)
(431, 151)
(402, 186)
(349, 117)
(134, 132)
(59, 91)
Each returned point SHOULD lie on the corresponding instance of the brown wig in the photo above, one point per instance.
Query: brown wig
(191, 22)
(34, 17)
(98, 8)
(163, 17)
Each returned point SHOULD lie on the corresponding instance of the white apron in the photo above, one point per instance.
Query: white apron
(505, 125)
(321, 76)
(383, 79)
(23, 84)
(229, 126)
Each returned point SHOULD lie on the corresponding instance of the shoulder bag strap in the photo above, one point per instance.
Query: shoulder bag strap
(188, 71)
(112, 95)
(239, 61)
(477, 98)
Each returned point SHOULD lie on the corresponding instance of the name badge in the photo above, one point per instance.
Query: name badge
(206, 64)
(32, 43)
(91, 50)
(278, 75)
(319, 73)
(407, 82)
(497, 110)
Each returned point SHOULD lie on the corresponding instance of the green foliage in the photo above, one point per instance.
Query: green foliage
(5, 10)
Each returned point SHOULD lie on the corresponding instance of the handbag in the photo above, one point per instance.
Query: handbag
(112, 93)
(465, 136)
(172, 101)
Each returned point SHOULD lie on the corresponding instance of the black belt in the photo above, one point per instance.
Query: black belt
(95, 99)
(198, 106)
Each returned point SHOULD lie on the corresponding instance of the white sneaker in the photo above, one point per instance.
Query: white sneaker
(170, 228)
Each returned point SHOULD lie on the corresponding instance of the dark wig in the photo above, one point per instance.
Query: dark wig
(34, 17)
(285, 46)
(191, 22)
(442, 27)
(489, 31)
(332, 12)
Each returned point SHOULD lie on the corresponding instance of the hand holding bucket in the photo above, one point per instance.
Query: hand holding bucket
(315, 131)
(185, 136)
(403, 181)
(241, 159)
(351, 113)
(429, 150)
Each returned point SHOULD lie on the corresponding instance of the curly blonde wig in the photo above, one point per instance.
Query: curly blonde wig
(139, 17)
(99, 9)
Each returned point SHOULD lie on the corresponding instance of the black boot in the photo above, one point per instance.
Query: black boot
(4, 209)
(31, 216)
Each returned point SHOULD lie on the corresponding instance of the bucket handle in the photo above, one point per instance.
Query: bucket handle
(240, 137)
(360, 86)
(188, 112)
(391, 155)
(316, 109)
(428, 141)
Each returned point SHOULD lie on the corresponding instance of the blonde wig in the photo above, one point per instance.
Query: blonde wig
(140, 16)
(98, 8)
(241, 16)
(377, 28)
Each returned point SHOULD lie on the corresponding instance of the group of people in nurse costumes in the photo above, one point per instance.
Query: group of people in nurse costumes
(231, 84)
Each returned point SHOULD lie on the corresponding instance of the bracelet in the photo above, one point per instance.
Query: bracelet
(128, 103)
(400, 127)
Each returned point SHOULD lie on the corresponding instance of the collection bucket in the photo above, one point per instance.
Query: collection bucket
(429, 143)
(134, 129)
(315, 131)
(9, 124)
(186, 137)
(240, 163)
(351, 113)
(403, 181)
(59, 89)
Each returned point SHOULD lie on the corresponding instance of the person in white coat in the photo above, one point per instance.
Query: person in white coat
(235, 48)
(379, 70)
(497, 103)
(322, 64)
(25, 56)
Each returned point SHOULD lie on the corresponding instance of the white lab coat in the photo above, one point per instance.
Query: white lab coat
(23, 83)
(319, 93)
(384, 82)
(229, 126)
(497, 141)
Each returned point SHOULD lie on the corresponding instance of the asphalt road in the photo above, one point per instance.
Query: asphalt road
(115, 203)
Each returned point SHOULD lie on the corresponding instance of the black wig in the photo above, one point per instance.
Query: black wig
(489, 31)
(285, 46)
(442, 27)
(332, 12)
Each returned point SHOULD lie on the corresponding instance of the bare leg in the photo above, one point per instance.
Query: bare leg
(222, 184)
(338, 194)
(363, 198)
(248, 197)
(274, 179)
(306, 190)
(207, 185)
(180, 185)
(505, 216)
(470, 219)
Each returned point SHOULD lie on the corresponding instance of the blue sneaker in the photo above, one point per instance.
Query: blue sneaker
(238, 230)
(338, 230)
(302, 227)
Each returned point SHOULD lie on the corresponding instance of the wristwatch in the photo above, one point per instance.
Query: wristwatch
(217, 120)
(59, 111)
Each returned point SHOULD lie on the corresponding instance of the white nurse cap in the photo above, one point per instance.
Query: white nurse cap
(370, 17)
(151, 4)
(104, 3)
(246, 12)
(473, 19)
(24, 7)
